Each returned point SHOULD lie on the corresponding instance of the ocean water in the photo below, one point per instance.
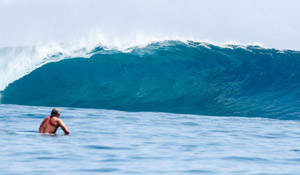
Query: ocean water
(116, 142)
(171, 76)
(170, 107)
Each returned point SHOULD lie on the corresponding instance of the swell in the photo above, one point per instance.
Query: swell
(171, 76)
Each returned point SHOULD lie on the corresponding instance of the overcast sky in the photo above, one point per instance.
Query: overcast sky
(273, 23)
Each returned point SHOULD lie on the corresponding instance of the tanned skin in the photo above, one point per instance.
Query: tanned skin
(51, 123)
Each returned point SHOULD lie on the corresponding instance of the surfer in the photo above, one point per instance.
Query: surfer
(51, 123)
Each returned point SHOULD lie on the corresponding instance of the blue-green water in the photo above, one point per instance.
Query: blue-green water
(170, 76)
(116, 142)
(245, 101)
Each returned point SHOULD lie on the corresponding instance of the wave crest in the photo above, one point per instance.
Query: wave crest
(170, 76)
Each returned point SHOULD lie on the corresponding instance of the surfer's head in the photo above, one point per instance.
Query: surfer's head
(55, 112)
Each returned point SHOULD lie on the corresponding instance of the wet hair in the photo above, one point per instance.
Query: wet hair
(55, 111)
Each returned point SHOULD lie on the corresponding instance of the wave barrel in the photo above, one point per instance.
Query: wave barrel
(171, 76)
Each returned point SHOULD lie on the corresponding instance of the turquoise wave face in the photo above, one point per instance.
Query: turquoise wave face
(190, 78)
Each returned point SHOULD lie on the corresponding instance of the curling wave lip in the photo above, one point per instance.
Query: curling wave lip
(170, 76)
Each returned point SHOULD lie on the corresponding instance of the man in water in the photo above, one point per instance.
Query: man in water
(51, 123)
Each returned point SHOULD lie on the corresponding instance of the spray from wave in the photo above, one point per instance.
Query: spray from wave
(16, 62)
(171, 76)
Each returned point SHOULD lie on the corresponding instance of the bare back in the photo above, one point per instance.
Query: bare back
(50, 125)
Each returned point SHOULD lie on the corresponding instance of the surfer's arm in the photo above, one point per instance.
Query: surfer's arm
(63, 127)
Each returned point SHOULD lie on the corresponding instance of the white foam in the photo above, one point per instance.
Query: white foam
(16, 62)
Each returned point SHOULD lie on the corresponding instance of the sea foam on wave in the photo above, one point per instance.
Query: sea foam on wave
(169, 76)
(16, 62)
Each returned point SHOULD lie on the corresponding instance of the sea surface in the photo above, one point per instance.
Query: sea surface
(169, 107)
(117, 142)
(169, 76)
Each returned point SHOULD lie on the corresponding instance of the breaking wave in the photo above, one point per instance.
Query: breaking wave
(170, 76)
